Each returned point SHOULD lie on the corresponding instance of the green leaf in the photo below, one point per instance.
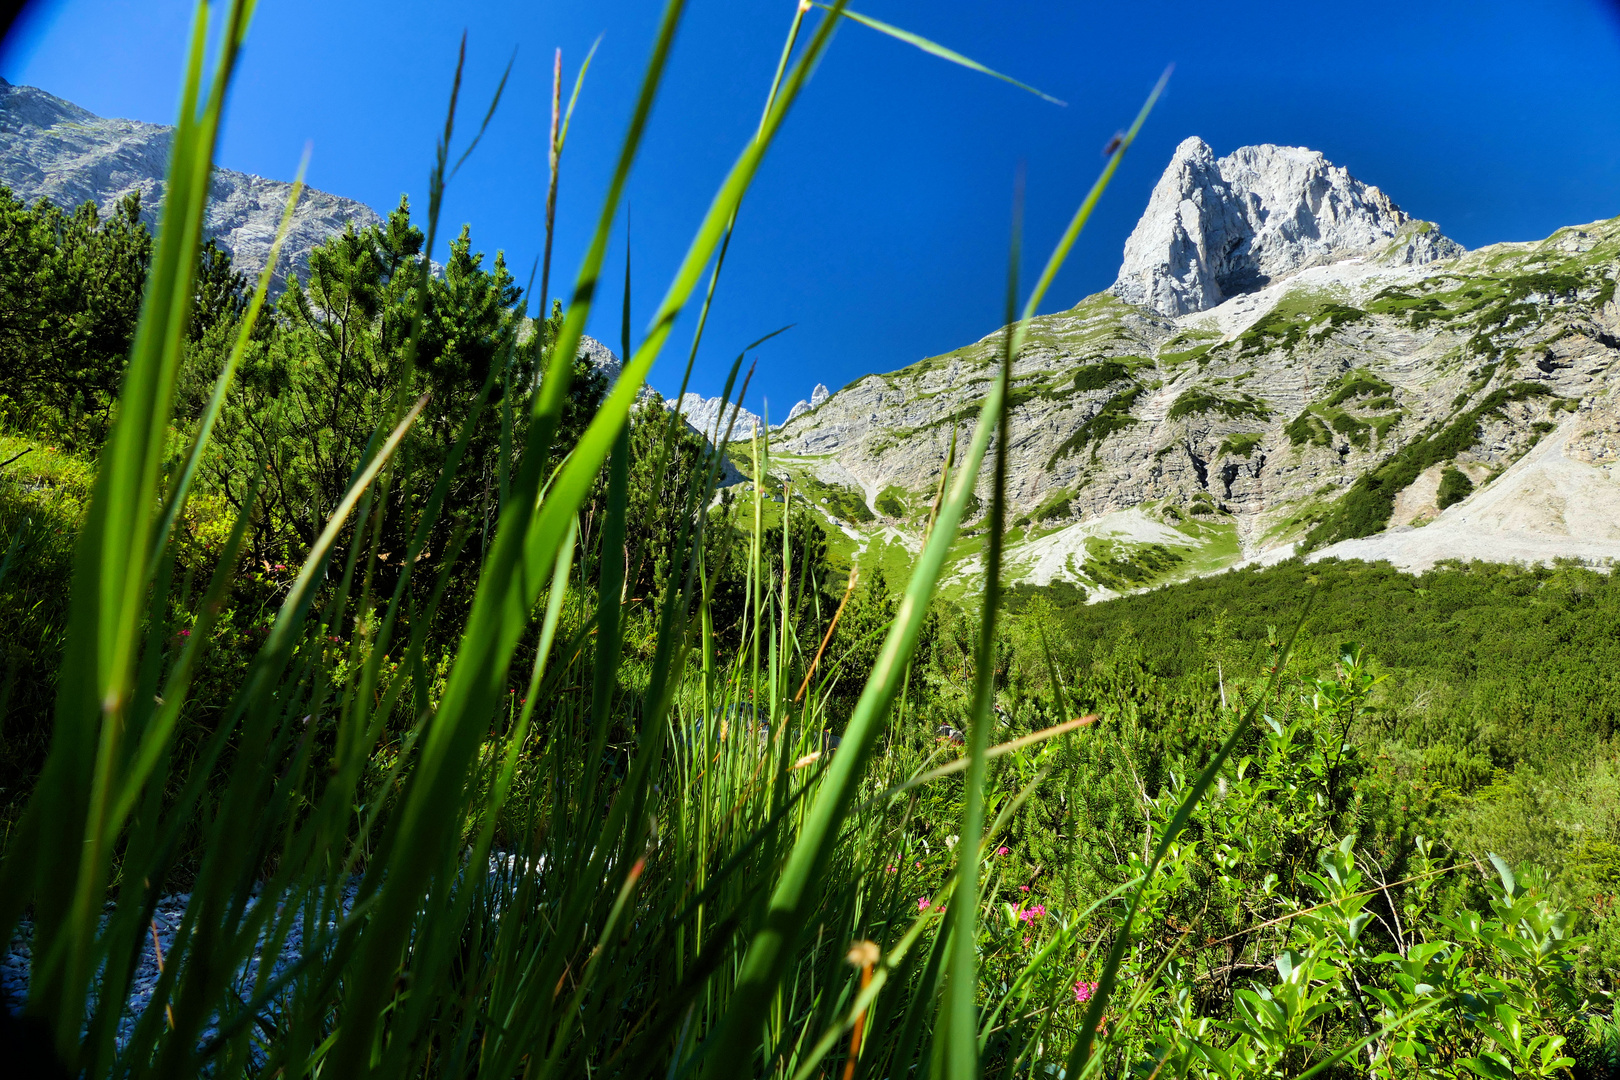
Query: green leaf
(1509, 885)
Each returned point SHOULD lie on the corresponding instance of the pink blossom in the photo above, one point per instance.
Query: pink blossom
(923, 903)
(1023, 888)
(1001, 851)
(1083, 992)
(890, 870)
(1030, 914)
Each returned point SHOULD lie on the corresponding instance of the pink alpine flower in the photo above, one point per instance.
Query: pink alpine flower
(1083, 991)
(1030, 914)
(923, 903)
(1001, 851)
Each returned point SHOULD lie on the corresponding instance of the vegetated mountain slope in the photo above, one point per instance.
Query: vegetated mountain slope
(1371, 374)
(52, 149)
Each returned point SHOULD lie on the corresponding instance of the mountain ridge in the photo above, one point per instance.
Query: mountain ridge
(1287, 362)
(53, 149)
(1218, 227)
(1313, 409)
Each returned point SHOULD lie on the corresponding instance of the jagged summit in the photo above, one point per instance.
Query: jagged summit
(1218, 227)
(53, 149)
(817, 396)
(712, 416)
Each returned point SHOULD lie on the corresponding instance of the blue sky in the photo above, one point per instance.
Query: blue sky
(879, 224)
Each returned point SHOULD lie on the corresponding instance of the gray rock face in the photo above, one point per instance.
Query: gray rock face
(1215, 228)
(709, 415)
(1232, 432)
(698, 412)
(52, 149)
(602, 358)
(817, 396)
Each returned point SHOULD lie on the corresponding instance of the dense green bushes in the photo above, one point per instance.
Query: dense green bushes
(1365, 509)
(1357, 384)
(891, 502)
(1114, 415)
(1100, 374)
(1199, 402)
(1528, 660)
(1454, 487)
(70, 293)
(1241, 444)
(1499, 717)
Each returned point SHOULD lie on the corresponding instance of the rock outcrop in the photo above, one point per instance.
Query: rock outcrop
(52, 149)
(704, 413)
(817, 396)
(710, 415)
(1218, 227)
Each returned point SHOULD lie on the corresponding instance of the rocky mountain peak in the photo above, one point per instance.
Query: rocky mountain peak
(53, 149)
(713, 416)
(817, 396)
(1218, 227)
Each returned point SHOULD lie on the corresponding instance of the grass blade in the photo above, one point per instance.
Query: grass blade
(500, 612)
(963, 985)
(940, 51)
(108, 596)
(795, 895)
(216, 401)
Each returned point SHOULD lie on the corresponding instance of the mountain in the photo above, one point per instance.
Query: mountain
(817, 396)
(712, 415)
(1215, 228)
(52, 149)
(1287, 363)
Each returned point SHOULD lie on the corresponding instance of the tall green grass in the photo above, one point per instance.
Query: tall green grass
(683, 865)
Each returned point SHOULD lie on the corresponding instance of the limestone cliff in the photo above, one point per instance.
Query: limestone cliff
(1287, 362)
(711, 415)
(1215, 228)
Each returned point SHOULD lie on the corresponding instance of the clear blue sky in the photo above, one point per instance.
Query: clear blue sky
(879, 223)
